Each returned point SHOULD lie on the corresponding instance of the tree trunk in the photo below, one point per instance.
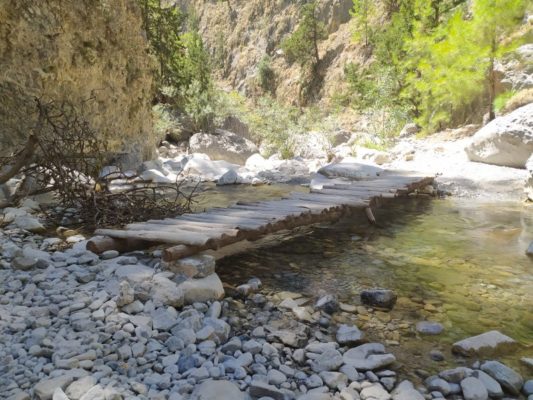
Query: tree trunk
(492, 81)
(22, 159)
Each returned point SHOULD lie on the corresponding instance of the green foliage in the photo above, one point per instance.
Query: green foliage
(184, 76)
(163, 27)
(266, 75)
(501, 100)
(302, 45)
(456, 61)
(431, 59)
(363, 13)
(273, 123)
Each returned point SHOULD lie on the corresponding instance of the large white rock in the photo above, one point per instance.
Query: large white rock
(157, 176)
(229, 178)
(45, 389)
(312, 145)
(487, 343)
(350, 169)
(166, 292)
(505, 141)
(208, 170)
(223, 145)
(201, 290)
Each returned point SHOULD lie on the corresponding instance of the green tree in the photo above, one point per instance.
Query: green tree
(266, 75)
(363, 12)
(455, 61)
(493, 21)
(302, 44)
(163, 27)
(184, 75)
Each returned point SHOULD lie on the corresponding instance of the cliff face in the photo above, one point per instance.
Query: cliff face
(239, 33)
(77, 50)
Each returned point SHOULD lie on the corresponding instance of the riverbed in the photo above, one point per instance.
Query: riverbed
(455, 261)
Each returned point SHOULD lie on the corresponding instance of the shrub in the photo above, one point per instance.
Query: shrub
(517, 100)
(266, 75)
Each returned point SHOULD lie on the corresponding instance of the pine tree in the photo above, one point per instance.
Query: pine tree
(363, 12)
(302, 44)
(493, 21)
(456, 59)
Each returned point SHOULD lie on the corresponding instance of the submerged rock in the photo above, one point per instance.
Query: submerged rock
(487, 343)
(383, 298)
(329, 303)
(429, 328)
(368, 356)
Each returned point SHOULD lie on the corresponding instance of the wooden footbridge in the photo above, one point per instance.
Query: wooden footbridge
(189, 234)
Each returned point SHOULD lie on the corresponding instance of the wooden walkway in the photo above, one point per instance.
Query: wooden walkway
(189, 234)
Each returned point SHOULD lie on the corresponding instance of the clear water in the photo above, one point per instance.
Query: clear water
(458, 262)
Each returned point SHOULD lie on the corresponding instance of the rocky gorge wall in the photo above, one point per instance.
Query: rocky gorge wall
(239, 33)
(77, 50)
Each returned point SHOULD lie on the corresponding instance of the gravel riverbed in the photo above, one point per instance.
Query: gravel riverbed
(72, 326)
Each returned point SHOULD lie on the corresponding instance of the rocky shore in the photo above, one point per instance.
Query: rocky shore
(74, 325)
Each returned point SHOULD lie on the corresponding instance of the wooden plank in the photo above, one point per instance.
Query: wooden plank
(238, 222)
(212, 232)
(180, 251)
(176, 237)
(100, 244)
(193, 223)
(361, 193)
(339, 200)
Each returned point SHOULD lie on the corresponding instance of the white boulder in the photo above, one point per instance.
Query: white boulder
(223, 145)
(506, 141)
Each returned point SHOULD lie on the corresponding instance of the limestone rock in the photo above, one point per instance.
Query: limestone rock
(383, 298)
(350, 170)
(487, 343)
(166, 292)
(63, 67)
(406, 391)
(261, 389)
(204, 289)
(229, 178)
(349, 334)
(126, 294)
(368, 356)
(79, 387)
(505, 141)
(508, 378)
(24, 263)
(29, 223)
(429, 328)
(473, 389)
(217, 390)
(193, 267)
(207, 169)
(223, 145)
(44, 390)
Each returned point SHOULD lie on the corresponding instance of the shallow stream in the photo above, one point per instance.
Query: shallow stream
(458, 262)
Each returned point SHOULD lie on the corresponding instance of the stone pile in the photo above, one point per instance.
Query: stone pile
(74, 325)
